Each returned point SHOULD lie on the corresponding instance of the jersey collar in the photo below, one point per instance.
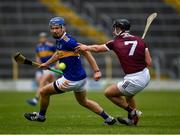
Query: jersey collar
(63, 35)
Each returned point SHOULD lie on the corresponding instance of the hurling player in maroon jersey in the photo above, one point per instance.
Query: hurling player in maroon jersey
(134, 57)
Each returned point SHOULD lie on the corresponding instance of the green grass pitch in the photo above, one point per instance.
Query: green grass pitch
(161, 114)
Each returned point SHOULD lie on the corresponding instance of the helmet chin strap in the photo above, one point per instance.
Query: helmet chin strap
(118, 33)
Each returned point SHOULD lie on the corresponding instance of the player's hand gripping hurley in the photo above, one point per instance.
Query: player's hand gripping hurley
(148, 23)
(20, 59)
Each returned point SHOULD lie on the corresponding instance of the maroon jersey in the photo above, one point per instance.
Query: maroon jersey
(130, 51)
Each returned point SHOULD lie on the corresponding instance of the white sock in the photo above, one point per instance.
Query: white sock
(34, 100)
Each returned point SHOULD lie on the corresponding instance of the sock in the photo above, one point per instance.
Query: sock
(42, 112)
(37, 98)
(129, 109)
(104, 115)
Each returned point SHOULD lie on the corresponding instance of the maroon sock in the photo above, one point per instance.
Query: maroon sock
(129, 109)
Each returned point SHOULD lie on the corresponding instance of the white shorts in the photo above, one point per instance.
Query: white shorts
(134, 83)
(38, 74)
(63, 85)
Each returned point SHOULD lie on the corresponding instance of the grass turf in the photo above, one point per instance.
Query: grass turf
(65, 115)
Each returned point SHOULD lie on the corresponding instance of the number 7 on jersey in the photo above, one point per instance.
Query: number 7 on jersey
(133, 46)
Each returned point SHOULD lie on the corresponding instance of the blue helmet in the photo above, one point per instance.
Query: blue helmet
(56, 21)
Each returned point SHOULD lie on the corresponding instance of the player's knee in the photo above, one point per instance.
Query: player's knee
(107, 93)
(42, 91)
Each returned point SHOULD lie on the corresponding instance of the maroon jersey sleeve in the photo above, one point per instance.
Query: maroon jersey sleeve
(145, 45)
(109, 44)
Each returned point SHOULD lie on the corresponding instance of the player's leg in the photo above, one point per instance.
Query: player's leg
(45, 93)
(116, 96)
(132, 85)
(94, 107)
(133, 116)
(131, 101)
(129, 89)
(38, 78)
(45, 78)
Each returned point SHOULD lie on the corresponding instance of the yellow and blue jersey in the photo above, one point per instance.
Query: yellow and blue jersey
(74, 70)
(45, 51)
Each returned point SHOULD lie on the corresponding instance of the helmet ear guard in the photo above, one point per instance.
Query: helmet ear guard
(62, 27)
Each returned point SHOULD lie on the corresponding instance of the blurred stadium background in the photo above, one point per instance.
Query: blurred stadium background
(89, 21)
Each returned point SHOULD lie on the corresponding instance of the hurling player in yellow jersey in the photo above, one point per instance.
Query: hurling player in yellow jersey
(44, 51)
(74, 75)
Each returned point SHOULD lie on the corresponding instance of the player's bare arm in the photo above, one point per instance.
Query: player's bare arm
(148, 57)
(52, 60)
(38, 59)
(93, 48)
(92, 62)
